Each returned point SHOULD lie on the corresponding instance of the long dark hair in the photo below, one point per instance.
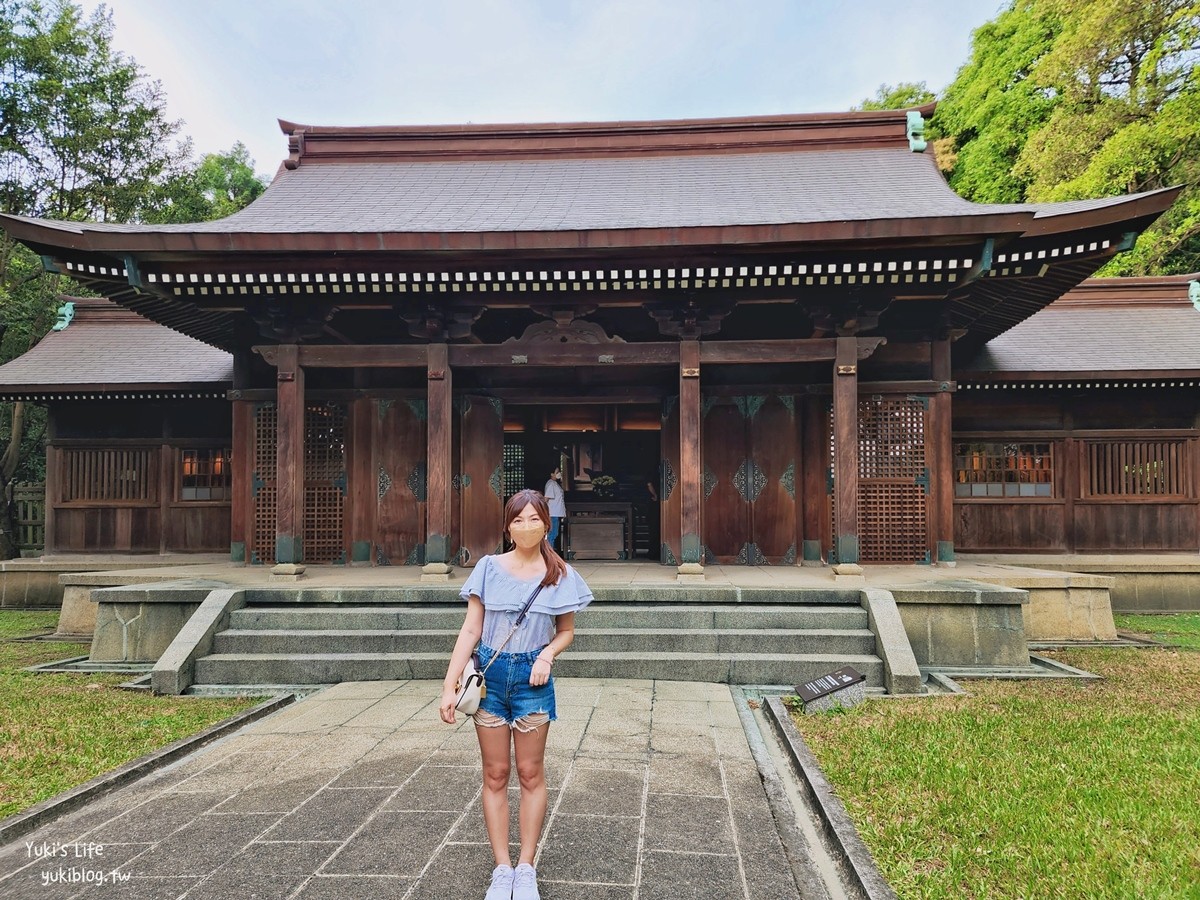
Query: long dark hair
(555, 567)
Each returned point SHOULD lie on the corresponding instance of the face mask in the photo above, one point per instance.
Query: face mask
(525, 532)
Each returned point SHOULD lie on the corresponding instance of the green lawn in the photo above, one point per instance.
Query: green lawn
(58, 731)
(1030, 789)
(1181, 630)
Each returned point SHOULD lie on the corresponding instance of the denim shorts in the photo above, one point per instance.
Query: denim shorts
(509, 693)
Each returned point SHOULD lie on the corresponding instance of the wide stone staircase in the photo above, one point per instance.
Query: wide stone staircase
(294, 644)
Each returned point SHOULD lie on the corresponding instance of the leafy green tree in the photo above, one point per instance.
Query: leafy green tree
(1067, 99)
(84, 135)
(902, 96)
(992, 106)
(219, 185)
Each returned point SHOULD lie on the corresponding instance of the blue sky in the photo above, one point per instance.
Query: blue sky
(231, 68)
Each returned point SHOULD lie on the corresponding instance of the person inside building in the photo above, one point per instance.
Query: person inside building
(516, 655)
(557, 502)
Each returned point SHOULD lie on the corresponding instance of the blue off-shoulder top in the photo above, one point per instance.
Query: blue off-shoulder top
(503, 595)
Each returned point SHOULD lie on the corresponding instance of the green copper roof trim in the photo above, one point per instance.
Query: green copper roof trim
(916, 131)
(66, 313)
(1194, 293)
(132, 272)
(48, 265)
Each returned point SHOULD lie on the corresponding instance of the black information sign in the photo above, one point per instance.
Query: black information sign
(827, 684)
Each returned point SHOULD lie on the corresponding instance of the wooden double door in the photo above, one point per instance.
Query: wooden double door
(749, 475)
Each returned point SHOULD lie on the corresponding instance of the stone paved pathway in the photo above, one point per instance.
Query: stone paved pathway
(360, 791)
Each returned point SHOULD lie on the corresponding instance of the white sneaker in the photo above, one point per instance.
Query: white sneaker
(502, 884)
(525, 883)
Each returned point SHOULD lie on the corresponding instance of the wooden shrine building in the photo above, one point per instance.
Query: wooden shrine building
(761, 323)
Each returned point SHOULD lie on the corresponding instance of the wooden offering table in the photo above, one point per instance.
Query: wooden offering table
(599, 529)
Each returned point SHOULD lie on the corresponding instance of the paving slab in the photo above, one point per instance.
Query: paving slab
(360, 791)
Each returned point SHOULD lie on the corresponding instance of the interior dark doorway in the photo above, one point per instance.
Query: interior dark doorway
(609, 458)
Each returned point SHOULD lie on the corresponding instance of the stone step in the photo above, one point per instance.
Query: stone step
(616, 640)
(598, 615)
(731, 668)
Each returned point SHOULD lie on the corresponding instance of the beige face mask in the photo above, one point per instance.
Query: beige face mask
(527, 534)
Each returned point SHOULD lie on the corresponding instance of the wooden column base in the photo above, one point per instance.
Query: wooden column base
(690, 573)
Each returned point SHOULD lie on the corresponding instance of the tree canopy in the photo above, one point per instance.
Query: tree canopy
(1070, 99)
(218, 186)
(84, 135)
(905, 94)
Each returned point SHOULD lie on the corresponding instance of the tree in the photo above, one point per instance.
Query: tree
(219, 185)
(1067, 99)
(84, 135)
(992, 106)
(902, 96)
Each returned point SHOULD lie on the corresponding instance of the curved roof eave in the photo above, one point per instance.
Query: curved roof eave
(1031, 220)
(146, 240)
(1070, 215)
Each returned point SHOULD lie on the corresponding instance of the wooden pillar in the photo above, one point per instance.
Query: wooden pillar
(1071, 487)
(941, 442)
(439, 465)
(167, 479)
(845, 450)
(289, 484)
(814, 456)
(690, 486)
(53, 484)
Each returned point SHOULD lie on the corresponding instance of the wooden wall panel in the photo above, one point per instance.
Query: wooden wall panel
(775, 449)
(197, 529)
(362, 479)
(1009, 527)
(401, 482)
(814, 463)
(1135, 526)
(671, 550)
(724, 457)
(480, 485)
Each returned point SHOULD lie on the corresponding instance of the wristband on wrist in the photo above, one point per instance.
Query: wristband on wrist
(549, 661)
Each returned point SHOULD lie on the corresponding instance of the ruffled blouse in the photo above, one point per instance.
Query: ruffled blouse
(503, 595)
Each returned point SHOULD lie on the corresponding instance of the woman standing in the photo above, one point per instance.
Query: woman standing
(519, 704)
(557, 502)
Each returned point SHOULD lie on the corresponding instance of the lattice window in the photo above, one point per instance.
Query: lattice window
(892, 523)
(892, 519)
(262, 532)
(891, 438)
(1137, 469)
(324, 482)
(204, 474)
(514, 469)
(994, 469)
(109, 476)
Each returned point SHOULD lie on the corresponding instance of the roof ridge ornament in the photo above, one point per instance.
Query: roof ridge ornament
(1194, 292)
(66, 313)
(916, 131)
(295, 149)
